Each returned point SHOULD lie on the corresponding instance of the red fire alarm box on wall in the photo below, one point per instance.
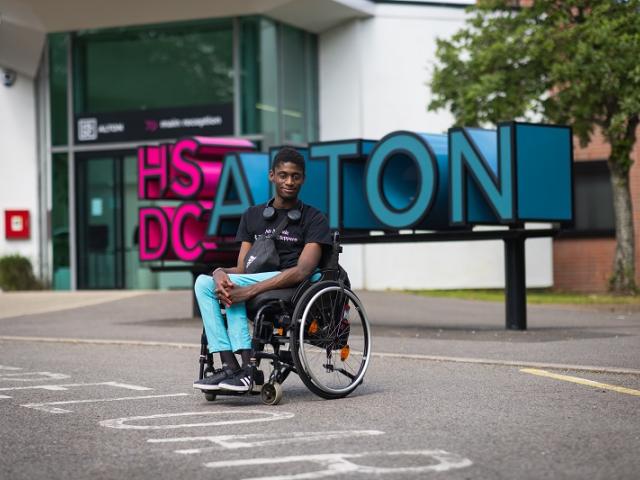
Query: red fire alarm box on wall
(16, 224)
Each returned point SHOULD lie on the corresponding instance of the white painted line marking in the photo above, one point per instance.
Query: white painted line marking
(510, 363)
(582, 381)
(24, 376)
(4, 396)
(127, 386)
(58, 388)
(98, 341)
(338, 464)
(402, 356)
(5, 367)
(261, 439)
(68, 385)
(268, 416)
(50, 408)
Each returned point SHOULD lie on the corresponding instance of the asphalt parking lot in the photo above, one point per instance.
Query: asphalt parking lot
(101, 388)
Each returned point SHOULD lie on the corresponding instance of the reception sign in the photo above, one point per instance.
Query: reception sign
(154, 124)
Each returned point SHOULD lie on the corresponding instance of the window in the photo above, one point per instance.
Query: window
(139, 68)
(259, 78)
(58, 43)
(60, 221)
(279, 82)
(593, 199)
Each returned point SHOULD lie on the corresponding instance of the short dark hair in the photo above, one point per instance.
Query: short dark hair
(288, 155)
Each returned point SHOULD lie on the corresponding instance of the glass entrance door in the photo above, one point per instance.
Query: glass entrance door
(99, 222)
(107, 226)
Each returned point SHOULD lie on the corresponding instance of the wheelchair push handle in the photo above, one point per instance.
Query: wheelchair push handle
(332, 256)
(335, 240)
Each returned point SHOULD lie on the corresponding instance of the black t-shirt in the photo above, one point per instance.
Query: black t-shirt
(313, 227)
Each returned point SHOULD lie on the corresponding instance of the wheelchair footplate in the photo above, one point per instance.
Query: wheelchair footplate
(271, 391)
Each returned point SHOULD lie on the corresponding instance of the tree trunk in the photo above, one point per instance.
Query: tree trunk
(623, 278)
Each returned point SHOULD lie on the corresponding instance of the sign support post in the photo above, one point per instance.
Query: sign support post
(515, 283)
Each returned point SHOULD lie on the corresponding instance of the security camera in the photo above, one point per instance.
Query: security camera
(8, 77)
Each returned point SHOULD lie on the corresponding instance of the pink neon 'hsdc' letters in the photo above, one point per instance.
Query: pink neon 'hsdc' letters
(188, 170)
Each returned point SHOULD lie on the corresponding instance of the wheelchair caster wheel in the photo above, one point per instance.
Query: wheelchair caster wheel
(271, 393)
(210, 397)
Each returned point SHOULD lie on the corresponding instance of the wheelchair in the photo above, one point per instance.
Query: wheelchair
(319, 331)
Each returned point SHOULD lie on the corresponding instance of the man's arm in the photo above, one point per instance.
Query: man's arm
(307, 262)
(221, 275)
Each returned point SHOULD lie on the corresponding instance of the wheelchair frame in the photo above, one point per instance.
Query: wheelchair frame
(281, 323)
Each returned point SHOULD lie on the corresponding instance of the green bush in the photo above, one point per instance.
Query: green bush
(16, 273)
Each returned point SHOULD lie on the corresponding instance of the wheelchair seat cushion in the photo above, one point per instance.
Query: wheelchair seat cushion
(258, 301)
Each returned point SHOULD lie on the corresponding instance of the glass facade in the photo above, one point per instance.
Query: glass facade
(294, 84)
(153, 67)
(60, 221)
(180, 65)
(279, 82)
(58, 45)
(259, 78)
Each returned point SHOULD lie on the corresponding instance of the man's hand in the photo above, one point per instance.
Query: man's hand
(224, 286)
(241, 294)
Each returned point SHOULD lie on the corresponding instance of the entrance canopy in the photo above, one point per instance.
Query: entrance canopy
(24, 23)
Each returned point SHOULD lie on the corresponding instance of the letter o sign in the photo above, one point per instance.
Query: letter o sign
(398, 157)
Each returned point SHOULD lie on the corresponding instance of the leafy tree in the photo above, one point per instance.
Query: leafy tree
(565, 61)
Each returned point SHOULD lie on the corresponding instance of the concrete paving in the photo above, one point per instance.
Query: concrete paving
(14, 304)
(103, 390)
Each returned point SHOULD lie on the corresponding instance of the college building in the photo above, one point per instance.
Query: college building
(86, 83)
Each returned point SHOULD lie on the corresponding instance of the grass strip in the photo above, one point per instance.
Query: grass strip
(534, 296)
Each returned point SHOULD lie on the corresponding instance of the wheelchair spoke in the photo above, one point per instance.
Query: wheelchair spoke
(345, 373)
(331, 368)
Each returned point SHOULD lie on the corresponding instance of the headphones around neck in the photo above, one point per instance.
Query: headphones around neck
(295, 214)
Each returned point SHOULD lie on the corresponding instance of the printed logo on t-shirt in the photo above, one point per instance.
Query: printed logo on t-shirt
(251, 259)
(284, 236)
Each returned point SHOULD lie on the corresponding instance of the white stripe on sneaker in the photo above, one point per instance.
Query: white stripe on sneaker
(245, 387)
(204, 386)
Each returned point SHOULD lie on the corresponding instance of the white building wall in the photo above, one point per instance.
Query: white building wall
(373, 77)
(18, 164)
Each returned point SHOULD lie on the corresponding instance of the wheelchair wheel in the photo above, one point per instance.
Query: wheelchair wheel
(271, 393)
(331, 341)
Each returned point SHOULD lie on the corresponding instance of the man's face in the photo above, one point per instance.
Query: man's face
(288, 178)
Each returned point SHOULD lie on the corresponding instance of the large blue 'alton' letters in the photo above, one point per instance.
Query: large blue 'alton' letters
(519, 172)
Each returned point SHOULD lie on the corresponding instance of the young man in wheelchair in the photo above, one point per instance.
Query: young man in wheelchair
(299, 246)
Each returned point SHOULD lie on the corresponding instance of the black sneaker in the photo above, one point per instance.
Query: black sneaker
(240, 382)
(211, 383)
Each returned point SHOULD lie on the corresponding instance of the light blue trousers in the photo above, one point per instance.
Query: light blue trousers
(236, 336)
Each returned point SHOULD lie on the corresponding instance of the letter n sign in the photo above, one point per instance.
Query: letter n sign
(521, 172)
